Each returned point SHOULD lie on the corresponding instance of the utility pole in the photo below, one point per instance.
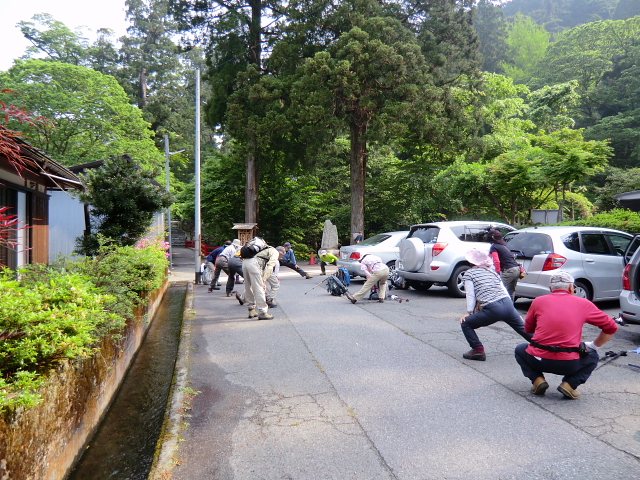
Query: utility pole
(198, 226)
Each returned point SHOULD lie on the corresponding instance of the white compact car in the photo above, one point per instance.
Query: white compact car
(384, 245)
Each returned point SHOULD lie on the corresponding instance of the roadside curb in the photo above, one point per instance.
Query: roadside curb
(179, 398)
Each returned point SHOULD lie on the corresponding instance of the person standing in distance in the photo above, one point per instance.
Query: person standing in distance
(486, 292)
(504, 261)
(556, 321)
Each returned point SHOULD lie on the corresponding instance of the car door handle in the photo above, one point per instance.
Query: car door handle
(589, 260)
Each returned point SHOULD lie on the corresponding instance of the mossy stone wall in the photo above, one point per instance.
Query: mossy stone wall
(43, 442)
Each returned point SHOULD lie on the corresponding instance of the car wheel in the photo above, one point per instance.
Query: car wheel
(582, 290)
(421, 286)
(392, 266)
(456, 283)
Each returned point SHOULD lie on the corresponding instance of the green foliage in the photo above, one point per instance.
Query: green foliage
(617, 181)
(91, 113)
(43, 321)
(60, 312)
(549, 106)
(528, 43)
(492, 33)
(123, 199)
(127, 273)
(619, 219)
(558, 15)
(55, 41)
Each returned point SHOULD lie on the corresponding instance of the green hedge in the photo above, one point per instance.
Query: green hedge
(619, 219)
(59, 312)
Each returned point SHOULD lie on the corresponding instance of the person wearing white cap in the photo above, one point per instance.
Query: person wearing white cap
(325, 259)
(556, 321)
(222, 263)
(483, 286)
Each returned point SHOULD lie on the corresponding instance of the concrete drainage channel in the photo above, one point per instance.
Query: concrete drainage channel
(123, 447)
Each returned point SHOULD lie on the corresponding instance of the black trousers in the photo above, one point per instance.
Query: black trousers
(293, 266)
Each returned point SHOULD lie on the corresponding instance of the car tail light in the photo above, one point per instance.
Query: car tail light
(355, 255)
(553, 261)
(438, 248)
(626, 283)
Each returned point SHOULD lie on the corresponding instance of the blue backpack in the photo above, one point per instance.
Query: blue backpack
(343, 275)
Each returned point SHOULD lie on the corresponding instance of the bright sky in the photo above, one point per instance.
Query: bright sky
(73, 13)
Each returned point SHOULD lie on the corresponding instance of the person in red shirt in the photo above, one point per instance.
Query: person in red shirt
(556, 322)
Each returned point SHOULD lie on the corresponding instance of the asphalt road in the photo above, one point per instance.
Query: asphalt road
(331, 390)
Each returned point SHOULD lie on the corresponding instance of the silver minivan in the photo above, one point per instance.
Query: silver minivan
(594, 256)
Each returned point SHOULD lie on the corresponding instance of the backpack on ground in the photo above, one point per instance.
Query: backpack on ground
(374, 295)
(343, 275)
(335, 286)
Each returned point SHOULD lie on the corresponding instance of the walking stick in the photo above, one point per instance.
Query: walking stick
(317, 285)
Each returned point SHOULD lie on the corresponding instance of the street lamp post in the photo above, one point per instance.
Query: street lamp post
(198, 227)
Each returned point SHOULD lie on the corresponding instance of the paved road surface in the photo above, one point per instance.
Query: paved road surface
(331, 390)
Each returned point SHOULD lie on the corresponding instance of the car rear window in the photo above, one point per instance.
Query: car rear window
(426, 234)
(375, 240)
(572, 241)
(528, 244)
(470, 233)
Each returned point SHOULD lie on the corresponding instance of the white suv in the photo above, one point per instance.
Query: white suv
(433, 253)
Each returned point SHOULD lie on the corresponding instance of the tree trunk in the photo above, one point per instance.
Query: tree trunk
(142, 94)
(358, 177)
(251, 208)
(251, 191)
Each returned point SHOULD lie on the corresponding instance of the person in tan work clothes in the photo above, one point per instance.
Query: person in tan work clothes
(377, 273)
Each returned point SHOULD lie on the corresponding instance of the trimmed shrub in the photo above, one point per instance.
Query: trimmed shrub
(619, 219)
(60, 312)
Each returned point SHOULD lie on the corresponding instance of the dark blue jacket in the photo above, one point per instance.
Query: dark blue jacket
(214, 254)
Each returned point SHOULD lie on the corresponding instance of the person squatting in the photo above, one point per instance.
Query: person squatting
(552, 328)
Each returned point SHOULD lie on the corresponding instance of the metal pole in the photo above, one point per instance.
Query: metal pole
(198, 230)
(166, 156)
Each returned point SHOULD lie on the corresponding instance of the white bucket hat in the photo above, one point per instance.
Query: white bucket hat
(479, 258)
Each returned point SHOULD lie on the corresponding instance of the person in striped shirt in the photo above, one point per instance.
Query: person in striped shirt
(488, 302)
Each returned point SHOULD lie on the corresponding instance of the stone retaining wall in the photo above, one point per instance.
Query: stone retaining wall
(43, 442)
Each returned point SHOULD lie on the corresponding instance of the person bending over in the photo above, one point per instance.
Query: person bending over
(377, 273)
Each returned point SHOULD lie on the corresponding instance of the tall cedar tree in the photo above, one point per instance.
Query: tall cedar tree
(236, 38)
